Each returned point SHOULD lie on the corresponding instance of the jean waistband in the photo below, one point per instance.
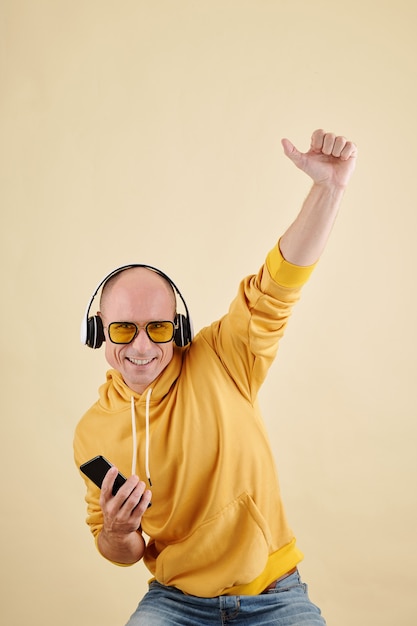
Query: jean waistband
(277, 580)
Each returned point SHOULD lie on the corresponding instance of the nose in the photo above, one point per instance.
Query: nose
(142, 342)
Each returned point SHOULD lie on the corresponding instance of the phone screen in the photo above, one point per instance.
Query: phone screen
(96, 469)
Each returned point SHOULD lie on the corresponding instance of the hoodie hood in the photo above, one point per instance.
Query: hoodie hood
(114, 392)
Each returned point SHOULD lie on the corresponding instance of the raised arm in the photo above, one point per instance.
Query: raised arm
(329, 162)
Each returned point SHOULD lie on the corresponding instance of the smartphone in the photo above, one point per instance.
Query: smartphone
(96, 469)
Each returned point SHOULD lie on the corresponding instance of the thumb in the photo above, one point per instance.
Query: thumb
(291, 151)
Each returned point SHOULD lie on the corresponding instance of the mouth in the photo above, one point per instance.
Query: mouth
(139, 361)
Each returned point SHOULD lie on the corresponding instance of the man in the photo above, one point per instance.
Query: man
(184, 424)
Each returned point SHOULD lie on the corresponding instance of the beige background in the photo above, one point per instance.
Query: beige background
(150, 132)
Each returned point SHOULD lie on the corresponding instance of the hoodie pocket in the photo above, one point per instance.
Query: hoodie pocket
(231, 548)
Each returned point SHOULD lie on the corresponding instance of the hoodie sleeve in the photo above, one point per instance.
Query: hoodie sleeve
(246, 339)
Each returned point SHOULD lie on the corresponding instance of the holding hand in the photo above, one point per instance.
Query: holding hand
(330, 160)
(119, 540)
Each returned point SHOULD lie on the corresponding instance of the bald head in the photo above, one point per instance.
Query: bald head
(137, 282)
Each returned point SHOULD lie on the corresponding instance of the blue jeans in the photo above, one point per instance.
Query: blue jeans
(287, 604)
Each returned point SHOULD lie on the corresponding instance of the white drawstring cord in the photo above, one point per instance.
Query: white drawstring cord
(148, 474)
(134, 438)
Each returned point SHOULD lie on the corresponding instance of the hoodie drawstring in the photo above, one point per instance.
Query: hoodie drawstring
(148, 474)
(134, 438)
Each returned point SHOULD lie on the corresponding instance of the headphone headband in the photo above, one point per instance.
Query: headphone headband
(92, 333)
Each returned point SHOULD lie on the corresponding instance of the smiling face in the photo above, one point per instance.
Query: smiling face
(138, 295)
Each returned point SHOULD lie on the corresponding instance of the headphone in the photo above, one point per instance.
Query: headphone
(92, 332)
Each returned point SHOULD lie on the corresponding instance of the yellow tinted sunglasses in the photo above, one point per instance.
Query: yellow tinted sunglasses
(125, 332)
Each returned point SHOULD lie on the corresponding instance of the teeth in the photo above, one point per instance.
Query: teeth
(139, 361)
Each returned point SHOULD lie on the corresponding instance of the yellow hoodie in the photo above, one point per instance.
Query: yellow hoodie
(217, 523)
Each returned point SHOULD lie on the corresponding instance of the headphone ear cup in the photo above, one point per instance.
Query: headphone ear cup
(182, 335)
(95, 332)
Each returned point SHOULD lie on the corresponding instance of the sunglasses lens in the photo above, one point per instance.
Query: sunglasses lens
(121, 332)
(160, 332)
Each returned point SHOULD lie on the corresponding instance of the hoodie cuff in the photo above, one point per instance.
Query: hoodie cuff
(284, 273)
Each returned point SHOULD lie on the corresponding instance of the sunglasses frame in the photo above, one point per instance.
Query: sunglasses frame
(145, 328)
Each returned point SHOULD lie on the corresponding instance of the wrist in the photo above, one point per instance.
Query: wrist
(124, 549)
(330, 187)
